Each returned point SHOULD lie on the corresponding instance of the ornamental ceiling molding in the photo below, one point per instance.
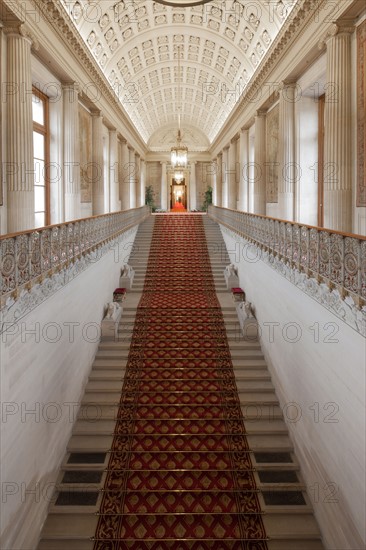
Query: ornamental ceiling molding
(182, 3)
(133, 41)
(54, 13)
(344, 309)
(300, 18)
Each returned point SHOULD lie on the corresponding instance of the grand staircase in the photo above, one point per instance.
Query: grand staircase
(285, 509)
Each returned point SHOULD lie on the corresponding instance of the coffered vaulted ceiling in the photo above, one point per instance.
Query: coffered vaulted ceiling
(221, 44)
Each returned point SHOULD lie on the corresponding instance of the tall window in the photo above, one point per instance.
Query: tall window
(41, 159)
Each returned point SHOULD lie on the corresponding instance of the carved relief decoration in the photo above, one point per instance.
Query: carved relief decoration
(361, 114)
(85, 136)
(272, 129)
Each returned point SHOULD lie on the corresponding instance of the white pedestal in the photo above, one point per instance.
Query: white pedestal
(248, 325)
(126, 282)
(110, 326)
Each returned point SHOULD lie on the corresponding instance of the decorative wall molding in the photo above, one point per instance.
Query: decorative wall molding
(28, 299)
(344, 308)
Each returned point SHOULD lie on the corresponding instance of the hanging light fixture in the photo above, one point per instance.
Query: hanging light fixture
(178, 176)
(179, 153)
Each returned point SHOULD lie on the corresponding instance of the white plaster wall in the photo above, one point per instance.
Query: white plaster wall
(44, 371)
(321, 378)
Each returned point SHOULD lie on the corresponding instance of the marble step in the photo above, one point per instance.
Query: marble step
(283, 544)
(290, 526)
(107, 427)
(238, 363)
(102, 443)
(114, 374)
(242, 385)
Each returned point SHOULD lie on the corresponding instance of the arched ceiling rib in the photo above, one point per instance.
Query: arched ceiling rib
(221, 44)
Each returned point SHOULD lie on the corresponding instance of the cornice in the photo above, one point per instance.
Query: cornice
(53, 12)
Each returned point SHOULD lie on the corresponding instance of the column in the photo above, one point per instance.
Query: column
(19, 135)
(113, 172)
(214, 180)
(164, 187)
(243, 199)
(138, 181)
(338, 132)
(143, 179)
(193, 187)
(260, 163)
(219, 180)
(225, 183)
(124, 181)
(232, 176)
(287, 172)
(71, 152)
(97, 160)
(132, 176)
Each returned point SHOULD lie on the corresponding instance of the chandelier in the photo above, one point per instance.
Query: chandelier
(178, 176)
(179, 153)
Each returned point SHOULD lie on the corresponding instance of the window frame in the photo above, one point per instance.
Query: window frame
(45, 131)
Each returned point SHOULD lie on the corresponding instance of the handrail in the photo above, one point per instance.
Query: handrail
(28, 257)
(335, 258)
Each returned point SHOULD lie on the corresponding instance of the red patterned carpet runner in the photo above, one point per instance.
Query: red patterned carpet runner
(180, 476)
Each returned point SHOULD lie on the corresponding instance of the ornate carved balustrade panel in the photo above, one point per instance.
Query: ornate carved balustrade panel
(31, 256)
(334, 258)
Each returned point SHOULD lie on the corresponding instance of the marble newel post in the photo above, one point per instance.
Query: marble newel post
(124, 182)
(193, 188)
(164, 187)
(243, 199)
(97, 160)
(287, 172)
(19, 137)
(132, 177)
(260, 163)
(71, 152)
(338, 131)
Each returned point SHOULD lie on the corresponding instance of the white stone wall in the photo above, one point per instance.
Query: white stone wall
(44, 367)
(318, 368)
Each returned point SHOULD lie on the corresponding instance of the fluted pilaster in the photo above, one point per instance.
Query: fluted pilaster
(260, 163)
(143, 179)
(138, 180)
(97, 160)
(219, 180)
(132, 177)
(193, 187)
(19, 137)
(164, 187)
(124, 181)
(232, 176)
(243, 195)
(338, 132)
(225, 177)
(286, 155)
(113, 171)
(71, 152)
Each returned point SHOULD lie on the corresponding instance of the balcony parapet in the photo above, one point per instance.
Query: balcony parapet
(36, 258)
(328, 265)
